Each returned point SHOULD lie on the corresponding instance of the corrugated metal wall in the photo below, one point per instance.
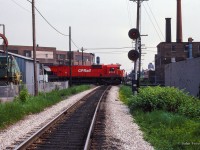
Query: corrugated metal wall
(22, 66)
(27, 70)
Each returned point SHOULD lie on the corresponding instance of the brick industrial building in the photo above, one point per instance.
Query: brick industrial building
(51, 56)
(172, 52)
(169, 52)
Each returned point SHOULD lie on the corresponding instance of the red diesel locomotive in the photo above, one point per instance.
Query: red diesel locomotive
(100, 74)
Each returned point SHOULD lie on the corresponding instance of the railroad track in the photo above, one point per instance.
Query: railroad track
(98, 138)
(72, 129)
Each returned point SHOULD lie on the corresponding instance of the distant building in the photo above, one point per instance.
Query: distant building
(51, 56)
(151, 66)
(148, 76)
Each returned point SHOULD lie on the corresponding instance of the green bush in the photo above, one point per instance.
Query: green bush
(23, 95)
(167, 116)
(165, 98)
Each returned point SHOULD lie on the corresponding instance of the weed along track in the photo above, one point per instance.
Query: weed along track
(70, 129)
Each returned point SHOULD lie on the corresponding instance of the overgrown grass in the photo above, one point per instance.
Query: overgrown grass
(165, 98)
(25, 104)
(168, 117)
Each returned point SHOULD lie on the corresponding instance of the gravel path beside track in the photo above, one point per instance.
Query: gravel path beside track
(120, 130)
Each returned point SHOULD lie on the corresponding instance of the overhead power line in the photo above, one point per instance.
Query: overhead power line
(104, 48)
(129, 13)
(53, 26)
(48, 21)
(44, 19)
(152, 22)
(74, 44)
(155, 20)
(21, 6)
(108, 48)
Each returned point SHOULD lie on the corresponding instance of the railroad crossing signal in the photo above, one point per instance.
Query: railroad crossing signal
(133, 55)
(134, 34)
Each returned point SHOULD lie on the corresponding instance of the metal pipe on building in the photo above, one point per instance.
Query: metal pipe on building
(179, 23)
(190, 47)
(168, 30)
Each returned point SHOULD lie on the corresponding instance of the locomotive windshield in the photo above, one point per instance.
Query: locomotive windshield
(112, 69)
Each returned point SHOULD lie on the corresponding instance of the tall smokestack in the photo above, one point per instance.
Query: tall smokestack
(168, 30)
(179, 23)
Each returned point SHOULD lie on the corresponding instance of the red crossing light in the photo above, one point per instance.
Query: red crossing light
(134, 33)
(133, 55)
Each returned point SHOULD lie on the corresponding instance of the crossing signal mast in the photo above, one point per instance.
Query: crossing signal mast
(134, 55)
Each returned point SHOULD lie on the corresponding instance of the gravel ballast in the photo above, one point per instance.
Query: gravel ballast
(121, 131)
(119, 124)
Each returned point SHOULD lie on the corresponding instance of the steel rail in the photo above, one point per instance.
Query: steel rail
(36, 135)
(88, 140)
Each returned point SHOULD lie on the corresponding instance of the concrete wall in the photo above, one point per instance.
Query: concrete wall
(184, 75)
(49, 86)
(10, 91)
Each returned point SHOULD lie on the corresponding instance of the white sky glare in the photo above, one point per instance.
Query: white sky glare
(98, 24)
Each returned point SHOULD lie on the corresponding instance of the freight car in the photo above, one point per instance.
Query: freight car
(100, 74)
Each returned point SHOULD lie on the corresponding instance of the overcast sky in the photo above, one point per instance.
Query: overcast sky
(98, 24)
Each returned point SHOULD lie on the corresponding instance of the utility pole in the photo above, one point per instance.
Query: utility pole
(137, 65)
(82, 55)
(70, 59)
(34, 49)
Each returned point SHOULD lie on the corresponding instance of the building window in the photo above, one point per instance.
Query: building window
(62, 56)
(173, 48)
(27, 53)
(13, 51)
(78, 58)
(57, 56)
